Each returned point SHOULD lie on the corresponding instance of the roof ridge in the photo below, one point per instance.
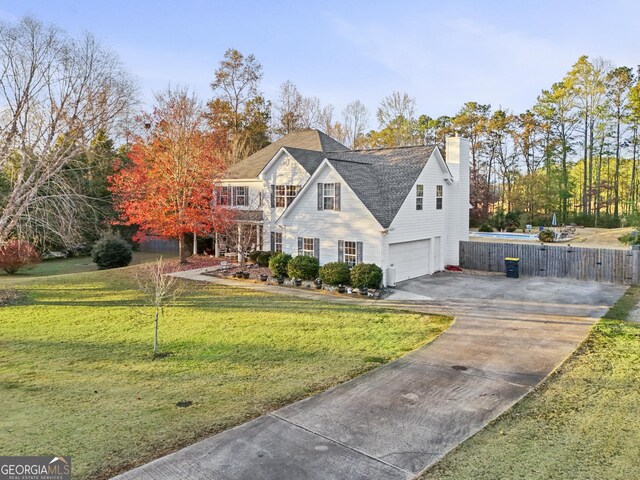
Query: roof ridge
(385, 148)
(347, 161)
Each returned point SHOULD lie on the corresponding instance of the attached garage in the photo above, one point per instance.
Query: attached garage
(411, 259)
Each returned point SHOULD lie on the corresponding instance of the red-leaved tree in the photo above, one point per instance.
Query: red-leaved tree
(16, 254)
(167, 188)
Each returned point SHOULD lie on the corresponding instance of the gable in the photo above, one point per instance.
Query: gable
(313, 140)
(284, 169)
(305, 205)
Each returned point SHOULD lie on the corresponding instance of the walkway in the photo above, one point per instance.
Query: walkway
(397, 420)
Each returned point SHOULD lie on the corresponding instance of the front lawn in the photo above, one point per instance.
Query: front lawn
(583, 423)
(77, 376)
(74, 265)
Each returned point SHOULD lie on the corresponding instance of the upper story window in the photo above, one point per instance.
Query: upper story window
(419, 197)
(223, 196)
(233, 196)
(329, 196)
(283, 195)
(438, 197)
(241, 199)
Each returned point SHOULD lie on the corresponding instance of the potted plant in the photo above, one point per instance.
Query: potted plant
(341, 288)
(245, 275)
(363, 290)
(318, 283)
(280, 280)
(297, 282)
(238, 274)
(264, 277)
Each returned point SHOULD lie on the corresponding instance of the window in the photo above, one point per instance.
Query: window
(223, 197)
(276, 241)
(284, 195)
(438, 197)
(233, 196)
(419, 196)
(350, 253)
(329, 196)
(241, 196)
(307, 247)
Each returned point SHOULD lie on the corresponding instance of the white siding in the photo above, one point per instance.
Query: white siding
(411, 225)
(352, 223)
(284, 170)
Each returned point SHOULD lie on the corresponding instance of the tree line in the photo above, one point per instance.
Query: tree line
(70, 121)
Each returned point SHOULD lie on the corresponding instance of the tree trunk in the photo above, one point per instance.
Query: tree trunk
(616, 179)
(182, 249)
(155, 337)
(584, 173)
(632, 207)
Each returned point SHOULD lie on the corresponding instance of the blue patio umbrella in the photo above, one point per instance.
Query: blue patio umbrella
(554, 221)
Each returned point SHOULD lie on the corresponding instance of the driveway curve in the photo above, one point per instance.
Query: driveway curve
(396, 421)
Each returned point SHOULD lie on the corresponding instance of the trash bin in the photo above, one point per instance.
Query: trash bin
(513, 267)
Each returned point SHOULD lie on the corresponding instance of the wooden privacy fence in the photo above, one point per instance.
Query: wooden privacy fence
(157, 244)
(596, 264)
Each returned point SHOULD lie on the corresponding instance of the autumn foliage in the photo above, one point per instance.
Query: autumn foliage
(167, 188)
(16, 254)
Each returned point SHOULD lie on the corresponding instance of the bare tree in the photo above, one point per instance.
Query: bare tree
(288, 108)
(356, 121)
(160, 288)
(56, 93)
(396, 106)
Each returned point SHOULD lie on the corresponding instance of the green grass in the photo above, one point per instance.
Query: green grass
(77, 376)
(582, 423)
(73, 265)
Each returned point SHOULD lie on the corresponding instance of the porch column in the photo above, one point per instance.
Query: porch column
(195, 243)
(216, 246)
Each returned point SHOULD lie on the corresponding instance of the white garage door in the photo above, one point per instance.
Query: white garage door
(410, 259)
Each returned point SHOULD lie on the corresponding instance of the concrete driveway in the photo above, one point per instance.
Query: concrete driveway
(393, 422)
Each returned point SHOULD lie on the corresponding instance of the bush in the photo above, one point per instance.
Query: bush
(546, 236)
(485, 227)
(111, 251)
(253, 256)
(511, 228)
(303, 267)
(278, 264)
(16, 254)
(631, 238)
(335, 273)
(263, 259)
(367, 275)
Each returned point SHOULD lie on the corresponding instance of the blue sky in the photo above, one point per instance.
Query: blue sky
(442, 53)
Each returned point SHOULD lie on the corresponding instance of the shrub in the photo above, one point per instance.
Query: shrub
(253, 256)
(278, 264)
(367, 275)
(546, 236)
(511, 228)
(335, 273)
(16, 254)
(485, 227)
(631, 238)
(111, 251)
(303, 267)
(263, 259)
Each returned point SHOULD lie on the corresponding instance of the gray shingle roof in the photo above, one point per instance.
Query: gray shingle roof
(382, 178)
(313, 140)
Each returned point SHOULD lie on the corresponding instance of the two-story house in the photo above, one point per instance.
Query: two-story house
(404, 209)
